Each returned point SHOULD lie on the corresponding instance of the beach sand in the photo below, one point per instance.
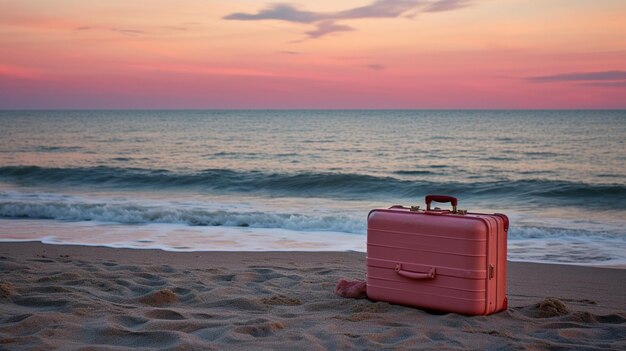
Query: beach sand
(95, 298)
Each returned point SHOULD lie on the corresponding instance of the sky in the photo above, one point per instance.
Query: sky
(349, 54)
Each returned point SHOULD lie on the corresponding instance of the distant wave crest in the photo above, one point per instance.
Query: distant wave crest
(319, 184)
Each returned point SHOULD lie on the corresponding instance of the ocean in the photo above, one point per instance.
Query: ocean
(305, 180)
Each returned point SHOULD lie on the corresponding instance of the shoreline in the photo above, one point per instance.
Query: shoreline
(36, 241)
(72, 296)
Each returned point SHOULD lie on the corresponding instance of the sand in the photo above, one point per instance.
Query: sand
(94, 298)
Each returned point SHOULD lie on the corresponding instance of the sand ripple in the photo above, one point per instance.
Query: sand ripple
(109, 304)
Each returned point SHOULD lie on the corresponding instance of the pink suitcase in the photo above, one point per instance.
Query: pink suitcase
(447, 260)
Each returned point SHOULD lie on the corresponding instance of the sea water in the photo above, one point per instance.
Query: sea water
(306, 179)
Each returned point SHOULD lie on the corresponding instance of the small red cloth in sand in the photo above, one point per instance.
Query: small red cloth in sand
(354, 289)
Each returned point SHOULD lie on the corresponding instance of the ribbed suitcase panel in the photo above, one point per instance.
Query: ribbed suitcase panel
(462, 250)
(432, 258)
(465, 273)
(469, 289)
(421, 241)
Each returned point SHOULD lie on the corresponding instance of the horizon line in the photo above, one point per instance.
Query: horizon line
(310, 109)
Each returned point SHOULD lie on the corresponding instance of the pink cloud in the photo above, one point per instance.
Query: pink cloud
(326, 22)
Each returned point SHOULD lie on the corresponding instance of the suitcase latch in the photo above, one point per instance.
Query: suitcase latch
(492, 271)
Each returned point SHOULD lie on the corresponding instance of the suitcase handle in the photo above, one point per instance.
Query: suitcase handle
(415, 275)
(441, 198)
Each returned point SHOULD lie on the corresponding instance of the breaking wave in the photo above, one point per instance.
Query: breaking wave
(73, 209)
(330, 185)
(142, 214)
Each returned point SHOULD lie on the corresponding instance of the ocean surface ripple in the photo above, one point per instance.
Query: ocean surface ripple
(306, 179)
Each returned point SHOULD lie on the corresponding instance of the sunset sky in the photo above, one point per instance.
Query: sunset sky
(444, 54)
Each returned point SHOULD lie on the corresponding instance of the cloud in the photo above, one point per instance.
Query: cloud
(446, 5)
(617, 84)
(284, 12)
(131, 32)
(379, 9)
(286, 52)
(326, 22)
(327, 27)
(376, 67)
(579, 76)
